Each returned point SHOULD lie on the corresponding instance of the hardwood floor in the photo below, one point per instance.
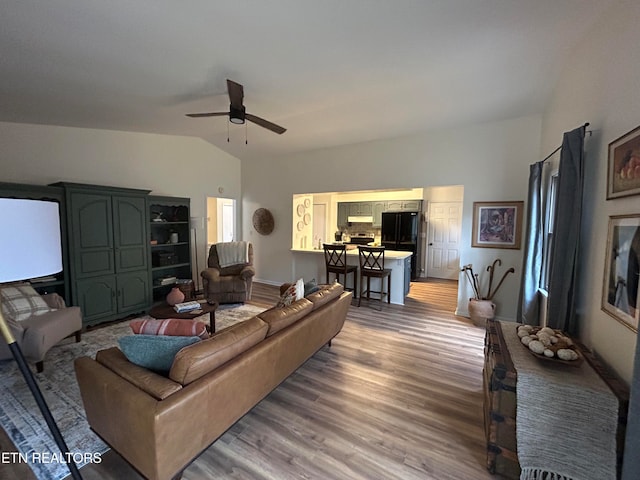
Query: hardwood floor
(398, 395)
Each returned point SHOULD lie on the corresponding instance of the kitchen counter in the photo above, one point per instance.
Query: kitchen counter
(308, 263)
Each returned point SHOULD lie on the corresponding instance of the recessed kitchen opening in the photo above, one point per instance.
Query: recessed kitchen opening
(398, 219)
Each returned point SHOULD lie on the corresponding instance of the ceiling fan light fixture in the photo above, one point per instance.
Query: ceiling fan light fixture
(236, 115)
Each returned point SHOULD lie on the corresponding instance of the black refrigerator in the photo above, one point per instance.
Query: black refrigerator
(401, 231)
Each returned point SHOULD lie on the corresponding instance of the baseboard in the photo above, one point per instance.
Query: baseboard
(268, 282)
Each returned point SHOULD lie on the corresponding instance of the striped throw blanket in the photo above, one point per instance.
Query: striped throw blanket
(566, 418)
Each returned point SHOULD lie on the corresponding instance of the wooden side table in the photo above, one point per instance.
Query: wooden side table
(167, 311)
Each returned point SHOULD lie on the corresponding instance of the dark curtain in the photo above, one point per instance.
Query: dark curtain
(566, 233)
(528, 303)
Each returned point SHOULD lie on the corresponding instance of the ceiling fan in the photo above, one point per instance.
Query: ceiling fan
(237, 113)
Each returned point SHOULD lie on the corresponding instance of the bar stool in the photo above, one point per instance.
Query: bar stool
(372, 265)
(335, 260)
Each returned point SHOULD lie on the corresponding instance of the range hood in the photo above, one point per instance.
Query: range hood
(359, 219)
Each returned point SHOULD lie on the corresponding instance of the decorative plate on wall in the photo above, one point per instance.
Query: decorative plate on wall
(300, 210)
(307, 218)
(263, 221)
(307, 203)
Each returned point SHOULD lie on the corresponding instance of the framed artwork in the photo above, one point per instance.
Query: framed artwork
(621, 269)
(623, 168)
(497, 224)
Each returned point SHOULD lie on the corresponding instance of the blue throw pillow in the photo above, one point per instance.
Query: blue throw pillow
(310, 287)
(155, 352)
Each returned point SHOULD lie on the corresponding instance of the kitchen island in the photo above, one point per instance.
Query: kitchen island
(309, 263)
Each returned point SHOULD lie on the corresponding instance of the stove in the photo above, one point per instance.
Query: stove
(360, 240)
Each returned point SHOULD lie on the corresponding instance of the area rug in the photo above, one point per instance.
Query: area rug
(23, 422)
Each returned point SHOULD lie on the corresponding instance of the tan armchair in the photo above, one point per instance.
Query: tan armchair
(230, 284)
(38, 333)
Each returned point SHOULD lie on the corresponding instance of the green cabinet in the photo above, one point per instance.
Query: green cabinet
(109, 259)
(360, 208)
(343, 214)
(377, 208)
(404, 206)
(407, 275)
(352, 209)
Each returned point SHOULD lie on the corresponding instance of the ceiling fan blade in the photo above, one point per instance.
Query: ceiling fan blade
(236, 93)
(211, 114)
(265, 123)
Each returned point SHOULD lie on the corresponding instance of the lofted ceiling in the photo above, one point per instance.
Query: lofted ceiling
(331, 72)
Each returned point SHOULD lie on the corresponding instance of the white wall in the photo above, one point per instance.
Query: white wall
(167, 165)
(601, 85)
(490, 160)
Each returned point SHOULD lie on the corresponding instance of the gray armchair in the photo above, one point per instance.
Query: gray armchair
(230, 284)
(38, 333)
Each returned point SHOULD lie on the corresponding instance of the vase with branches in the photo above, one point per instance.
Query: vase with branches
(481, 306)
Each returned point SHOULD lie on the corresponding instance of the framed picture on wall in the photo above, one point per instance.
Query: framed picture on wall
(623, 168)
(620, 297)
(497, 224)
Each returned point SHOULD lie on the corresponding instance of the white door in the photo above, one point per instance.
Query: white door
(228, 217)
(443, 241)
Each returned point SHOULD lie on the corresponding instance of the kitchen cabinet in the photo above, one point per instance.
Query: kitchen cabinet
(360, 208)
(170, 242)
(343, 214)
(108, 245)
(407, 275)
(377, 208)
(404, 206)
(352, 209)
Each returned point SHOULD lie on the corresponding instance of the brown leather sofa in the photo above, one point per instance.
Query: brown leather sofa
(160, 425)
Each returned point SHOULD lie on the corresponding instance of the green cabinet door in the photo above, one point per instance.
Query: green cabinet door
(407, 275)
(343, 214)
(96, 297)
(133, 291)
(91, 235)
(377, 209)
(130, 233)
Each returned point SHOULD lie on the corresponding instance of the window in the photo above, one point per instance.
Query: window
(550, 216)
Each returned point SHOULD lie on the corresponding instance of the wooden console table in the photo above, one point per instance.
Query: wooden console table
(500, 379)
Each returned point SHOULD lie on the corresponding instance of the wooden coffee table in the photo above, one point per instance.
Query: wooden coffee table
(167, 311)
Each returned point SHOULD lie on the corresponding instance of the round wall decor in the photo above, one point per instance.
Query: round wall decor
(263, 221)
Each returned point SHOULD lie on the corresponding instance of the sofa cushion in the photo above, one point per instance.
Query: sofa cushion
(173, 327)
(21, 301)
(197, 360)
(325, 294)
(155, 352)
(155, 385)
(279, 318)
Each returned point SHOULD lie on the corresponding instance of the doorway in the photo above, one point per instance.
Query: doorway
(443, 240)
(221, 220)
